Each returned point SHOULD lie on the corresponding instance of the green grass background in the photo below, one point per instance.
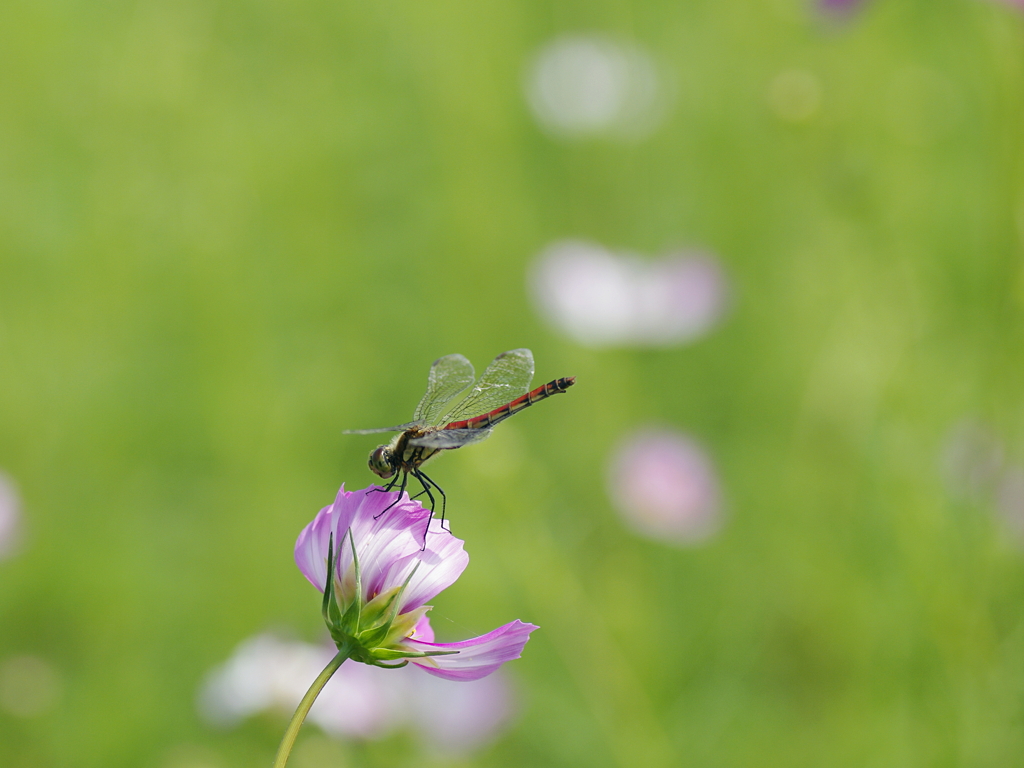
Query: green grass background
(229, 231)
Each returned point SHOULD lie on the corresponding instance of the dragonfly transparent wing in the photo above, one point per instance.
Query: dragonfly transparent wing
(399, 428)
(451, 438)
(505, 379)
(449, 375)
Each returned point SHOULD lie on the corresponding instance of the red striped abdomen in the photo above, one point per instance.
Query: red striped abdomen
(500, 414)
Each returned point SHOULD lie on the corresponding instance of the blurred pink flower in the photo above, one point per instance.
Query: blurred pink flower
(458, 719)
(837, 7)
(360, 701)
(603, 299)
(375, 609)
(665, 486)
(10, 517)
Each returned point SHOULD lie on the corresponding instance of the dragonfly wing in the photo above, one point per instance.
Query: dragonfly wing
(449, 375)
(505, 379)
(399, 428)
(451, 438)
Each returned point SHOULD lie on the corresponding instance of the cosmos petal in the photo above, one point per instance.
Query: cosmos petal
(477, 657)
(311, 547)
(423, 632)
(436, 569)
(382, 542)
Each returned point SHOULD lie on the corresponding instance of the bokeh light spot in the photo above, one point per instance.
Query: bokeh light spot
(583, 85)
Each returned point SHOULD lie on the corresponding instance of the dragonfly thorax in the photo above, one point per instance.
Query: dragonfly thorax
(381, 462)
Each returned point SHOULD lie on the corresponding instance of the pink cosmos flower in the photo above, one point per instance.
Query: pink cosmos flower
(382, 573)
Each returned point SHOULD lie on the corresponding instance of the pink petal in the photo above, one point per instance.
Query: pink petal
(478, 657)
(311, 547)
(388, 544)
(382, 544)
(423, 632)
(392, 535)
(439, 566)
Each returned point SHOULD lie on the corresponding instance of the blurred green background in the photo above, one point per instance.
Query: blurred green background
(228, 231)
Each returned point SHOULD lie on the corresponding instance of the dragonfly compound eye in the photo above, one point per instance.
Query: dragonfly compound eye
(380, 462)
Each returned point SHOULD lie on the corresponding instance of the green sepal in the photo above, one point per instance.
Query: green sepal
(329, 584)
(343, 639)
(354, 611)
(390, 654)
(380, 611)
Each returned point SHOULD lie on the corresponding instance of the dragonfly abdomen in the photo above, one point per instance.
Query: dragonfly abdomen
(500, 414)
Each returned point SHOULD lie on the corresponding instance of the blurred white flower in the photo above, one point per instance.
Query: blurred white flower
(10, 514)
(266, 672)
(360, 701)
(259, 675)
(603, 299)
(580, 85)
(665, 486)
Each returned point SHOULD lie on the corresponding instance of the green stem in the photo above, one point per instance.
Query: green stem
(303, 709)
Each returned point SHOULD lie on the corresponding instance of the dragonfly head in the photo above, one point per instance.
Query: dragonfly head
(380, 462)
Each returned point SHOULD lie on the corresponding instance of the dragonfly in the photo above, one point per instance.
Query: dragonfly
(443, 422)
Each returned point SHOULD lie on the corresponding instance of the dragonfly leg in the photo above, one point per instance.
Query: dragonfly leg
(426, 483)
(401, 490)
(422, 477)
(388, 487)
